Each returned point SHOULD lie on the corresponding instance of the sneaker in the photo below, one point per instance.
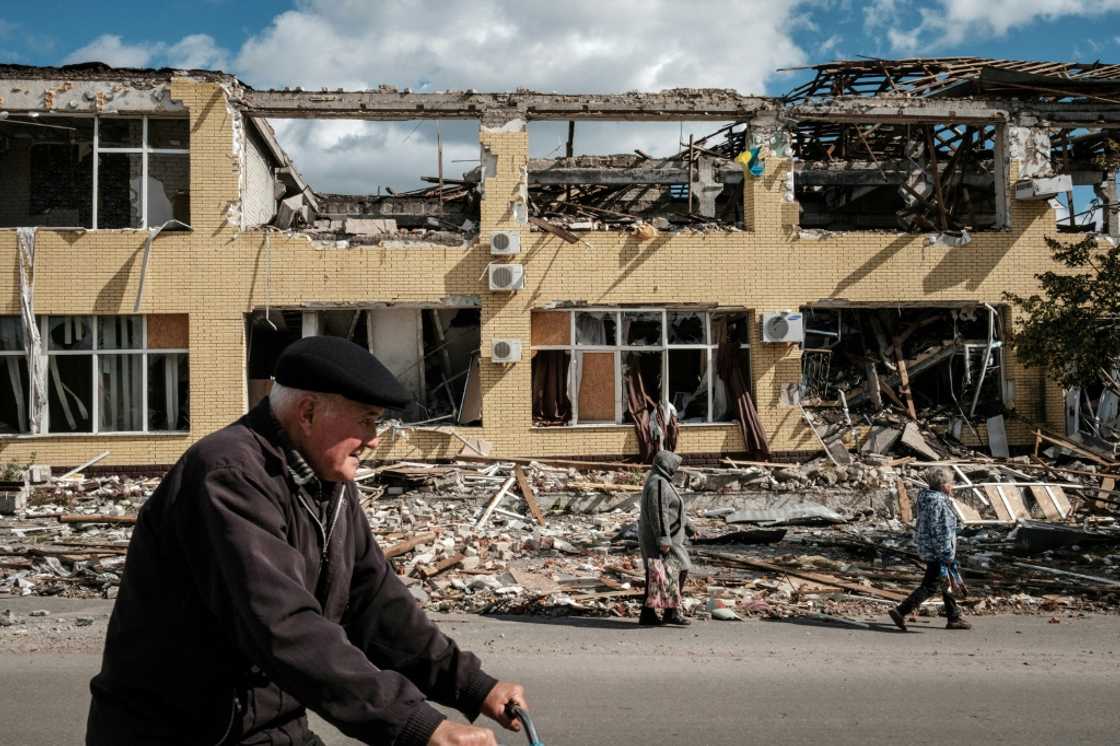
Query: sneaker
(958, 624)
(648, 618)
(898, 619)
(676, 618)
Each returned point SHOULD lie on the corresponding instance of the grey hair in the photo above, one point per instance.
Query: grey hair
(938, 477)
(282, 399)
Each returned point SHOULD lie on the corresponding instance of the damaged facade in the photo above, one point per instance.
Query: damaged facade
(818, 258)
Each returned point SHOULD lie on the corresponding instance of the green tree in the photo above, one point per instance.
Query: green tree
(1073, 327)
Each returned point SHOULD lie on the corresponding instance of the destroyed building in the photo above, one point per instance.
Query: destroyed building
(815, 260)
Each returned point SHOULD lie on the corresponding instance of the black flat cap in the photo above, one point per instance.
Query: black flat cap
(333, 365)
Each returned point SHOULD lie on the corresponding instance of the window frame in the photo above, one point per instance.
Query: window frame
(664, 347)
(95, 351)
(144, 151)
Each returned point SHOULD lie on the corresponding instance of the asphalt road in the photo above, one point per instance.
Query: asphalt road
(1012, 680)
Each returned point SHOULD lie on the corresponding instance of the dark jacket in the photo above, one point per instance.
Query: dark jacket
(232, 616)
(663, 517)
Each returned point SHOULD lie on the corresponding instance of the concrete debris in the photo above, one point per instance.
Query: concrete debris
(843, 549)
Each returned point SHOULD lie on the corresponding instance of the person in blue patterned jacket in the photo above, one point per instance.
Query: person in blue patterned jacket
(936, 538)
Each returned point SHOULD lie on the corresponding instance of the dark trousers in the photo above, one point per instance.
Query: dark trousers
(645, 594)
(931, 584)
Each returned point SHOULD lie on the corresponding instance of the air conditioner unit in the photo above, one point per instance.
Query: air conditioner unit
(783, 326)
(505, 243)
(507, 277)
(505, 351)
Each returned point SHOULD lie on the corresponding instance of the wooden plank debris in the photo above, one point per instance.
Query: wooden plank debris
(96, 518)
(966, 512)
(813, 576)
(528, 494)
(904, 380)
(905, 514)
(1007, 501)
(604, 486)
(408, 545)
(494, 502)
(1108, 484)
(430, 571)
(1053, 501)
(86, 465)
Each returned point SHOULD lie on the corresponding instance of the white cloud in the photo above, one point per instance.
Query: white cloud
(952, 22)
(192, 51)
(879, 14)
(501, 45)
(197, 51)
(111, 49)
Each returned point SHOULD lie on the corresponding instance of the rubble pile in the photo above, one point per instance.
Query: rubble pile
(772, 540)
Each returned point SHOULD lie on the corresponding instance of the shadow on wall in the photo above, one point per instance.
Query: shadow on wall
(111, 296)
(968, 265)
(632, 255)
(861, 272)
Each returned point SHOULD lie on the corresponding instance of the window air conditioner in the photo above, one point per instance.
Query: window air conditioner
(783, 326)
(505, 351)
(507, 277)
(505, 243)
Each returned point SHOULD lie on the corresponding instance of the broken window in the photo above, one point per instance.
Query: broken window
(669, 354)
(94, 172)
(46, 171)
(14, 392)
(406, 181)
(944, 177)
(143, 172)
(628, 174)
(433, 352)
(939, 364)
(104, 374)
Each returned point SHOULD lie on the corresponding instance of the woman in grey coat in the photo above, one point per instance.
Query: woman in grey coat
(663, 529)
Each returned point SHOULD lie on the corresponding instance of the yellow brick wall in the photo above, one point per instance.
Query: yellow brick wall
(217, 274)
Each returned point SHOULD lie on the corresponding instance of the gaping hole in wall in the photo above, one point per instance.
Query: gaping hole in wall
(1081, 178)
(620, 175)
(372, 181)
(1093, 415)
(942, 365)
(601, 366)
(94, 172)
(433, 351)
(912, 177)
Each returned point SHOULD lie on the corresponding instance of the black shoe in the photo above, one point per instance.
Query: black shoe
(648, 618)
(676, 618)
(898, 619)
(958, 623)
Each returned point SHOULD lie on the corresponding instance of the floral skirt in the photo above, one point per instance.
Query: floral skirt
(663, 586)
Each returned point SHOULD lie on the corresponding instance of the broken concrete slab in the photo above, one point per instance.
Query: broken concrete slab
(912, 439)
(881, 440)
(370, 226)
(796, 515)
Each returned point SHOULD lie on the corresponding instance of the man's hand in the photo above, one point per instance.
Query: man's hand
(494, 706)
(456, 734)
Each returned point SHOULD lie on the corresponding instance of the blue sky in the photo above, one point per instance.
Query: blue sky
(577, 45)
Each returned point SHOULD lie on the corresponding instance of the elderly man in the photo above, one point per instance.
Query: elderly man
(253, 588)
(936, 538)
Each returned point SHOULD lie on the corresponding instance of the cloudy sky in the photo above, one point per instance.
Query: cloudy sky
(573, 46)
